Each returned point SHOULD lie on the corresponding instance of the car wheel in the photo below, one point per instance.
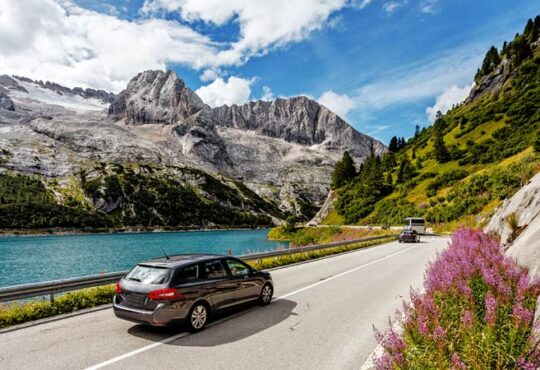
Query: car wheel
(198, 316)
(399, 241)
(266, 294)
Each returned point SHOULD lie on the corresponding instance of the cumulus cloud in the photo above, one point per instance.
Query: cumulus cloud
(263, 24)
(60, 41)
(65, 43)
(235, 90)
(445, 101)
(267, 94)
(340, 104)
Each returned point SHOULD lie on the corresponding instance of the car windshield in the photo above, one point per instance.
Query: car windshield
(148, 274)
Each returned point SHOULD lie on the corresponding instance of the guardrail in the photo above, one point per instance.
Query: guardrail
(51, 288)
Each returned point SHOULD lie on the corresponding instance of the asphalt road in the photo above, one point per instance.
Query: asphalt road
(322, 318)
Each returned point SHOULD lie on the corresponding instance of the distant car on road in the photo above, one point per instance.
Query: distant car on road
(188, 288)
(409, 236)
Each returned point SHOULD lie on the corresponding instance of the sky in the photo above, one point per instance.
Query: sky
(384, 66)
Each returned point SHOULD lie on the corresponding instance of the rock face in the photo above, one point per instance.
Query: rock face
(155, 97)
(297, 120)
(283, 150)
(6, 102)
(525, 204)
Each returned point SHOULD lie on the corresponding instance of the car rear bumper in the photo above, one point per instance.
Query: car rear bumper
(163, 315)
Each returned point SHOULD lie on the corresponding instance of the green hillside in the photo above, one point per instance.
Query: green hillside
(118, 196)
(460, 168)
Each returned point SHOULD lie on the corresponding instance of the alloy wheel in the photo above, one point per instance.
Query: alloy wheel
(198, 317)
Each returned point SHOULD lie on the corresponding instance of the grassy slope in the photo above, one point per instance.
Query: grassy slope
(491, 139)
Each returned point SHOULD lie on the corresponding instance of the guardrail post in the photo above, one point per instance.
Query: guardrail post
(51, 297)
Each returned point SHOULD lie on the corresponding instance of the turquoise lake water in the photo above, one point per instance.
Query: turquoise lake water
(30, 259)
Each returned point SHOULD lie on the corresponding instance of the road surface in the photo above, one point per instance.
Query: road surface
(322, 318)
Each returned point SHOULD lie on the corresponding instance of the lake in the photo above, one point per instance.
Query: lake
(27, 259)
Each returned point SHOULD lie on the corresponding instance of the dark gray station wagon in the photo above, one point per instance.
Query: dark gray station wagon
(188, 288)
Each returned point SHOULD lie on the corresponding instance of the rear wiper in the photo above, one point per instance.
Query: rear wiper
(134, 279)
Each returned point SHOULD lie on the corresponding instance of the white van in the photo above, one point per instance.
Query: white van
(416, 223)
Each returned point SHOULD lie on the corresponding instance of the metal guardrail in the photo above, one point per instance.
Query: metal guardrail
(51, 288)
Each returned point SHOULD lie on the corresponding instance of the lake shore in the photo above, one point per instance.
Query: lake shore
(124, 230)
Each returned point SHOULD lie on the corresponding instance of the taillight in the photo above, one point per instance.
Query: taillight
(165, 294)
(118, 288)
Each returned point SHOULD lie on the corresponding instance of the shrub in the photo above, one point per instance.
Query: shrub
(70, 302)
(477, 312)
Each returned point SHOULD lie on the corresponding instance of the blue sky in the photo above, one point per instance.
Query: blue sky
(385, 66)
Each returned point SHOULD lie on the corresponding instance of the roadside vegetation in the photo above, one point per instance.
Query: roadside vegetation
(477, 312)
(16, 313)
(459, 169)
(299, 237)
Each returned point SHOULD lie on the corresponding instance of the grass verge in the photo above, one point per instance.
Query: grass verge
(19, 313)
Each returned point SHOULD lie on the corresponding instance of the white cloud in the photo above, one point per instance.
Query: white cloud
(267, 94)
(391, 6)
(209, 75)
(60, 41)
(339, 104)
(263, 24)
(234, 91)
(445, 101)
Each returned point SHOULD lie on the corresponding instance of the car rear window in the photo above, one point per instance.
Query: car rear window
(149, 274)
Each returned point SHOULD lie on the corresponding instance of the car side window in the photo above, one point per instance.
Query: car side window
(187, 274)
(214, 270)
(237, 268)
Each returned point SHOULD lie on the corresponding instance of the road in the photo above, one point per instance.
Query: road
(322, 318)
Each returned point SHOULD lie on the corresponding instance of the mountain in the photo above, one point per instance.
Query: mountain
(460, 169)
(156, 155)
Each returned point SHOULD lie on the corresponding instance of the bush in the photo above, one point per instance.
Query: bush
(70, 302)
(477, 312)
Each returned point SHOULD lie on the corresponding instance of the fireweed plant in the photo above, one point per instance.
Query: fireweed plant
(477, 312)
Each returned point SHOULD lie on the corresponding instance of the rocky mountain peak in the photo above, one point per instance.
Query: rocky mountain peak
(155, 97)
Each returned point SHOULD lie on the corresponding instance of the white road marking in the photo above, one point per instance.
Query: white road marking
(181, 335)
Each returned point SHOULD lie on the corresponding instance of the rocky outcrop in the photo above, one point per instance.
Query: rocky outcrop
(6, 102)
(525, 207)
(155, 97)
(297, 120)
(491, 83)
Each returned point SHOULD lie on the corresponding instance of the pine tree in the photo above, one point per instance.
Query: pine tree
(417, 130)
(406, 171)
(393, 146)
(344, 171)
(441, 152)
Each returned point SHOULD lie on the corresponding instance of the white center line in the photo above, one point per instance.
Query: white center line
(181, 335)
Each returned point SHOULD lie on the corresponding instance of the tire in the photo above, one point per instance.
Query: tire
(399, 241)
(198, 317)
(265, 297)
